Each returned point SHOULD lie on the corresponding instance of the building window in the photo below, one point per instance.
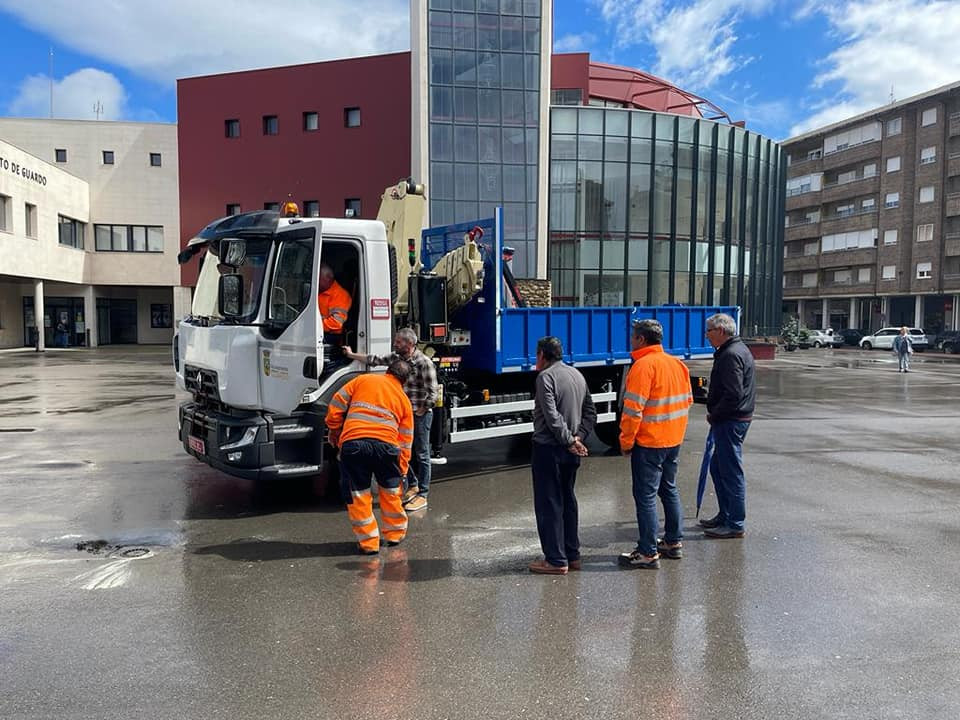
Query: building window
(60, 154)
(926, 194)
(71, 232)
(566, 96)
(231, 128)
(845, 210)
(311, 121)
(893, 200)
(351, 117)
(924, 271)
(233, 208)
(351, 207)
(893, 163)
(849, 240)
(890, 237)
(928, 155)
(128, 238)
(271, 126)
(928, 117)
(108, 157)
(889, 272)
(271, 206)
(161, 315)
(155, 160)
(809, 280)
(811, 248)
(894, 126)
(925, 233)
(311, 208)
(842, 277)
(869, 170)
(5, 219)
(869, 204)
(863, 275)
(30, 220)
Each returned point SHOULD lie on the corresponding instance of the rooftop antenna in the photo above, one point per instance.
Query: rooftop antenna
(892, 98)
(98, 109)
(51, 81)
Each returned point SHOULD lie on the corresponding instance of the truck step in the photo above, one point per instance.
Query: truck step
(295, 468)
(292, 432)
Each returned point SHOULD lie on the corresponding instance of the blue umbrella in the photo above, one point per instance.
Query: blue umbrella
(704, 469)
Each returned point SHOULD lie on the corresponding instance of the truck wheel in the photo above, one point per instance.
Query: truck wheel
(609, 433)
(867, 346)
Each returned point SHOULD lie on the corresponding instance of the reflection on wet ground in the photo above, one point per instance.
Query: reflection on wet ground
(136, 582)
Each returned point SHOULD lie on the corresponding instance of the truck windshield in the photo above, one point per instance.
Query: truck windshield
(253, 269)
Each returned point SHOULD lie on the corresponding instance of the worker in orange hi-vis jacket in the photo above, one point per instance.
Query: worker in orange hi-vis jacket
(371, 422)
(333, 301)
(656, 401)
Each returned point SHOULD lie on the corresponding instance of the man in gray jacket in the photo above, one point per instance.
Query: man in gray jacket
(563, 416)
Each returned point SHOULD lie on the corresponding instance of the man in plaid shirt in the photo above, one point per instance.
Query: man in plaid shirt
(422, 389)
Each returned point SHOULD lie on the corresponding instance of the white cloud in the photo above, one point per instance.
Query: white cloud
(908, 46)
(695, 42)
(74, 96)
(180, 38)
(574, 42)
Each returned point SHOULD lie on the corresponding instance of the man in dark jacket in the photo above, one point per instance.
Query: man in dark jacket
(563, 416)
(730, 403)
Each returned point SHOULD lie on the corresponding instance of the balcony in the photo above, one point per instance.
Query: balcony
(955, 125)
(858, 186)
(808, 198)
(852, 154)
(849, 257)
(953, 165)
(797, 292)
(953, 204)
(802, 230)
(856, 220)
(801, 262)
(951, 244)
(806, 164)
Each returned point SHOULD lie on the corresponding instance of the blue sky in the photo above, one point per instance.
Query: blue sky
(783, 66)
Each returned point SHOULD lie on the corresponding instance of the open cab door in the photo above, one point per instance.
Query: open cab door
(291, 352)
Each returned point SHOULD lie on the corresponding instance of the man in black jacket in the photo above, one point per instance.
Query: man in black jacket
(730, 403)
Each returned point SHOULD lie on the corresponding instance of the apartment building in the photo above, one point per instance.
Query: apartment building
(872, 233)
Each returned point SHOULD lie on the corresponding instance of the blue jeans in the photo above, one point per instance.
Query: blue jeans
(726, 468)
(554, 503)
(419, 472)
(904, 360)
(655, 473)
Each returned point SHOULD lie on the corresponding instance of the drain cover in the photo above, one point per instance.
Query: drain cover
(132, 552)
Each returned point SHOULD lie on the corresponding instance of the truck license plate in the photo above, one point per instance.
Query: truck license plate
(196, 444)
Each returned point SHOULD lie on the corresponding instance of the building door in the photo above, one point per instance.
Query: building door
(64, 324)
(116, 321)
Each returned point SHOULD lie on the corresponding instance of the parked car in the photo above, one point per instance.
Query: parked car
(815, 338)
(850, 336)
(948, 341)
(883, 339)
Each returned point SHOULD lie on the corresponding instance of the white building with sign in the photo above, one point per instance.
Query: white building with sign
(89, 233)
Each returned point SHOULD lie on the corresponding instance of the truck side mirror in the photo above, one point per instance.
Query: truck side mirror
(230, 295)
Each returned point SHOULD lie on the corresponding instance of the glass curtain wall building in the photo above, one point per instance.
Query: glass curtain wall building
(652, 208)
(484, 67)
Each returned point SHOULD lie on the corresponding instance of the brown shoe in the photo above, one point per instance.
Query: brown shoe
(574, 565)
(673, 551)
(542, 567)
(417, 502)
(411, 493)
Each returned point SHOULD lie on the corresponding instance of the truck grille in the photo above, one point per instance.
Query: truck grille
(202, 383)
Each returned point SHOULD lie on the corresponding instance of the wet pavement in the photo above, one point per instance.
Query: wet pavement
(138, 583)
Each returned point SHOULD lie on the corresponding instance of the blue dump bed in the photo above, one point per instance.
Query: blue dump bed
(504, 339)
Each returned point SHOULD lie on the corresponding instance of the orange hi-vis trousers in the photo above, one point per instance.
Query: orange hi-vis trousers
(359, 460)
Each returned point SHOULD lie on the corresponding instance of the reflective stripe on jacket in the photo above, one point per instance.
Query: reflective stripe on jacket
(373, 407)
(656, 400)
(334, 304)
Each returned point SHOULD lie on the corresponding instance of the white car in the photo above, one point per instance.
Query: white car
(883, 339)
(818, 338)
